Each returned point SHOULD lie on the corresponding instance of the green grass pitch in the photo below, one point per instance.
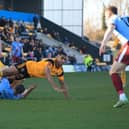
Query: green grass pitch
(90, 106)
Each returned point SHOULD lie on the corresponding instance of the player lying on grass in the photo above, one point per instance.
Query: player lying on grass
(7, 91)
(46, 68)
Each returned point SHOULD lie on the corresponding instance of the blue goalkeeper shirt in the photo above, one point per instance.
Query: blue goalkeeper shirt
(6, 91)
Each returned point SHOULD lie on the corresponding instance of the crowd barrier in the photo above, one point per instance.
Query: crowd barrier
(83, 68)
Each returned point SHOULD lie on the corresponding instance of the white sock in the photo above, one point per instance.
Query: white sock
(122, 96)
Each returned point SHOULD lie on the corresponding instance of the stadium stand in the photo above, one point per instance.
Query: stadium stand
(52, 42)
(46, 40)
(79, 42)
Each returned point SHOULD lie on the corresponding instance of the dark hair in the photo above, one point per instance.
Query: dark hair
(62, 54)
(20, 89)
(113, 9)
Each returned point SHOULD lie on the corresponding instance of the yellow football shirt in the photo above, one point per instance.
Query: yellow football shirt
(37, 69)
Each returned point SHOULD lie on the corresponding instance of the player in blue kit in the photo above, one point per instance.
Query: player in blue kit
(121, 25)
(8, 92)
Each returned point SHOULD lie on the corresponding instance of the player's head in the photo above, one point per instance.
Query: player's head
(19, 89)
(61, 58)
(111, 10)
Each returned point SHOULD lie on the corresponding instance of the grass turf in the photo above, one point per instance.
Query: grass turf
(90, 106)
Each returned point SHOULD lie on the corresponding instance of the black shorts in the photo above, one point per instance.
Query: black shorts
(22, 71)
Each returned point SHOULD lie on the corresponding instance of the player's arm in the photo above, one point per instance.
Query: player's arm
(28, 91)
(106, 37)
(50, 79)
(16, 82)
(64, 87)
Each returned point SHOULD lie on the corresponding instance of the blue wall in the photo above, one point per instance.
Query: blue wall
(26, 17)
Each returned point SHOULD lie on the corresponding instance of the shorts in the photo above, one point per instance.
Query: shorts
(22, 71)
(123, 55)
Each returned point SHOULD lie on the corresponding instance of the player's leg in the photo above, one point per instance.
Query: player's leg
(2, 67)
(123, 78)
(8, 71)
(117, 82)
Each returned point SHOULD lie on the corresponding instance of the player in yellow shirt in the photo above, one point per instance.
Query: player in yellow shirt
(46, 68)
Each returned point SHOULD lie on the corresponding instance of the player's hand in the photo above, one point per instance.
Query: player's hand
(101, 49)
(58, 89)
(33, 86)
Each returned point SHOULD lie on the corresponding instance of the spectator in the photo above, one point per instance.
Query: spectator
(35, 21)
(16, 50)
(88, 61)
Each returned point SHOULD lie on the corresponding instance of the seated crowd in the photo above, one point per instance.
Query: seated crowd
(30, 47)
